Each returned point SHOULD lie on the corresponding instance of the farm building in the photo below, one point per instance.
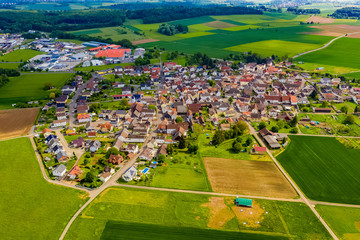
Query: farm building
(243, 202)
(258, 150)
(272, 142)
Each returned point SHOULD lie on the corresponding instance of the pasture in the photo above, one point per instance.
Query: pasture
(195, 212)
(344, 221)
(255, 178)
(30, 87)
(31, 208)
(344, 54)
(17, 122)
(323, 168)
(19, 55)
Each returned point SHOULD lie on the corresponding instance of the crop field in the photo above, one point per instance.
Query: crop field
(19, 55)
(323, 168)
(267, 47)
(344, 221)
(195, 215)
(17, 122)
(247, 177)
(30, 86)
(31, 208)
(344, 54)
(115, 230)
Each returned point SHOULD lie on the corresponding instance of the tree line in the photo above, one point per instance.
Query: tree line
(166, 14)
(5, 74)
(300, 11)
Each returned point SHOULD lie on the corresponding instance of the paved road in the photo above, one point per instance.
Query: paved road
(302, 196)
(72, 105)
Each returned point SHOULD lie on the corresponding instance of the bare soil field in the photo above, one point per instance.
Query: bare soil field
(149, 40)
(17, 122)
(335, 30)
(219, 24)
(317, 19)
(247, 177)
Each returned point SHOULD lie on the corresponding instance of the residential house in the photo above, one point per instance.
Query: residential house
(59, 171)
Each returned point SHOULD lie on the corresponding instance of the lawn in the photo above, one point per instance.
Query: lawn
(19, 55)
(168, 210)
(323, 168)
(344, 221)
(31, 208)
(30, 87)
(341, 53)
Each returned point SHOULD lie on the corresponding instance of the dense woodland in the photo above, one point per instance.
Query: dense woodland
(171, 29)
(348, 12)
(300, 11)
(22, 21)
(157, 15)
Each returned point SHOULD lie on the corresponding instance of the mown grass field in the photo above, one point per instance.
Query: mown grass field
(30, 207)
(183, 210)
(323, 168)
(342, 56)
(30, 87)
(182, 171)
(344, 221)
(19, 55)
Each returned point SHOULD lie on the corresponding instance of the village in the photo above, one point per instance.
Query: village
(108, 122)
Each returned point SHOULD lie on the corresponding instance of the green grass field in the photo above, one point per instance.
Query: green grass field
(267, 47)
(19, 55)
(31, 208)
(9, 65)
(343, 54)
(344, 221)
(183, 171)
(30, 86)
(323, 168)
(165, 210)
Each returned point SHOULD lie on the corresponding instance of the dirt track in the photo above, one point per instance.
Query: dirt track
(17, 122)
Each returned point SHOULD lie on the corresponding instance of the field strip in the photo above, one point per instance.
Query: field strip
(208, 193)
(325, 46)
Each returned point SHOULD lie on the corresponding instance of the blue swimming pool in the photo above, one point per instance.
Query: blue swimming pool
(145, 170)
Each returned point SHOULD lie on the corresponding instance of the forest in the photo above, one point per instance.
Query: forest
(22, 21)
(166, 14)
(348, 12)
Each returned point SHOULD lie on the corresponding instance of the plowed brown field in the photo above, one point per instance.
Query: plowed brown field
(247, 177)
(17, 122)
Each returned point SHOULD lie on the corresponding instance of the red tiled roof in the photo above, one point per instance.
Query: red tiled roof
(112, 53)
